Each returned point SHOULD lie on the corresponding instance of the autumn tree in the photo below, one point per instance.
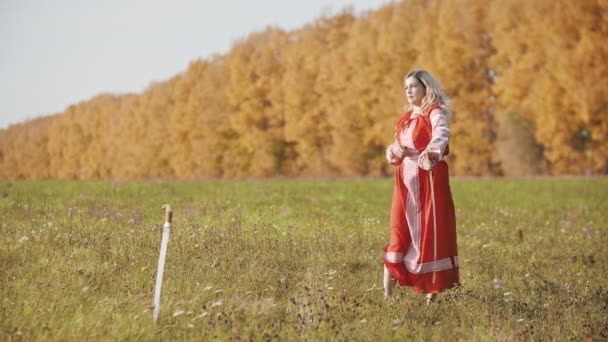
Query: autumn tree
(343, 146)
(305, 130)
(182, 121)
(213, 136)
(527, 80)
(255, 75)
(458, 49)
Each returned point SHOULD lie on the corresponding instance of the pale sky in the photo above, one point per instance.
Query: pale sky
(54, 53)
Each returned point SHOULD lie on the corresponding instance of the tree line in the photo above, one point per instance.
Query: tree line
(528, 82)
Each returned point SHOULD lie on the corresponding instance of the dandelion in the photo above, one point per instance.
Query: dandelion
(143, 269)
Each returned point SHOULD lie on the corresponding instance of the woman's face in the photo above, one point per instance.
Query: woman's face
(414, 91)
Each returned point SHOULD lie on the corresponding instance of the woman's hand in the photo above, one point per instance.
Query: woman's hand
(428, 160)
(397, 150)
(434, 157)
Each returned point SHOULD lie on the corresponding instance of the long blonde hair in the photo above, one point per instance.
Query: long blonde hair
(434, 93)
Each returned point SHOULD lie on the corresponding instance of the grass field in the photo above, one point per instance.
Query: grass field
(296, 260)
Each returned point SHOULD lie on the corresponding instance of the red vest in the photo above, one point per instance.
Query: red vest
(423, 131)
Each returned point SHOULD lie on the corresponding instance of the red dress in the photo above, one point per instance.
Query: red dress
(416, 256)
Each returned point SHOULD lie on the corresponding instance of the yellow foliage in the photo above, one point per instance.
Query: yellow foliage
(528, 81)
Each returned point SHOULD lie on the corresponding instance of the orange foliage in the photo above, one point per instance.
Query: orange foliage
(528, 80)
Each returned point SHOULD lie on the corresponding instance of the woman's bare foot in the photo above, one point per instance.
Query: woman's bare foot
(389, 283)
(430, 298)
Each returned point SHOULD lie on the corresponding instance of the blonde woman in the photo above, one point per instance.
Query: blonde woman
(422, 252)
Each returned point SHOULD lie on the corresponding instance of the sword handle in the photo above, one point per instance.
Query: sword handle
(168, 214)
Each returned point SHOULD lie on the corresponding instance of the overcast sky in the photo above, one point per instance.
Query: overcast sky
(54, 53)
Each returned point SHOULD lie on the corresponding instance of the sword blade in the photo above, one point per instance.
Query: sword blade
(161, 267)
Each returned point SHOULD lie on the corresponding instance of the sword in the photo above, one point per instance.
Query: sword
(434, 219)
(428, 165)
(161, 259)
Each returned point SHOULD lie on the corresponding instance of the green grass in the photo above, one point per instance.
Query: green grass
(295, 260)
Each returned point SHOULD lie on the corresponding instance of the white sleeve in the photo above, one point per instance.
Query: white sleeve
(440, 132)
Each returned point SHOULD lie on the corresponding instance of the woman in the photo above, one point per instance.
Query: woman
(422, 251)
